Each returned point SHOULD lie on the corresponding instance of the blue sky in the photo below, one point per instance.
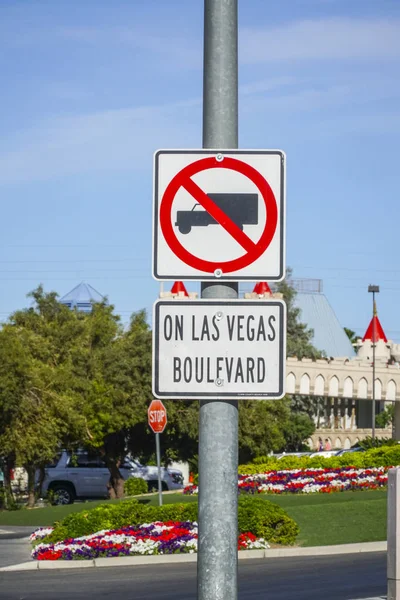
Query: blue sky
(91, 89)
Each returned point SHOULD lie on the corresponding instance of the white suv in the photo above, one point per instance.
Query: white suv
(85, 476)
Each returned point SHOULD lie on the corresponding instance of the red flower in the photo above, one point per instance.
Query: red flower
(49, 555)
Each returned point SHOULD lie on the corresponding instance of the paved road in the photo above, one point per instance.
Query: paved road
(14, 547)
(350, 577)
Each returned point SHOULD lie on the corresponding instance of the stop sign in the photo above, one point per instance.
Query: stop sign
(157, 416)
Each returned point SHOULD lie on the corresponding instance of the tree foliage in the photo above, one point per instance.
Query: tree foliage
(261, 427)
(385, 417)
(71, 379)
(36, 397)
(299, 344)
(299, 336)
(351, 335)
(298, 429)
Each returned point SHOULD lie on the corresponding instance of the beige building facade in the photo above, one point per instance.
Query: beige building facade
(343, 390)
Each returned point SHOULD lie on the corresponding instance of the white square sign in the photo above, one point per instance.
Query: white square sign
(228, 349)
(219, 214)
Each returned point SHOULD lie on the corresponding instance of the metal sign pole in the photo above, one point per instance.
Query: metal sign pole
(373, 363)
(218, 430)
(393, 535)
(159, 469)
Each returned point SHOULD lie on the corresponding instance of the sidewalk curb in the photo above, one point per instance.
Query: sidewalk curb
(126, 561)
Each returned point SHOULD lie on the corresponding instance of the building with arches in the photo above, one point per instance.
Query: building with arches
(342, 386)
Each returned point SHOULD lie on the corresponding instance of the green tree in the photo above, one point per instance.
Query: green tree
(299, 344)
(14, 365)
(299, 336)
(118, 388)
(280, 425)
(74, 379)
(298, 428)
(385, 418)
(78, 379)
(261, 427)
(351, 335)
(36, 404)
(179, 441)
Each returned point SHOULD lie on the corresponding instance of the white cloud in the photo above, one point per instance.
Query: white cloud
(307, 99)
(267, 85)
(322, 39)
(124, 139)
(109, 140)
(319, 93)
(326, 38)
(311, 39)
(366, 124)
(175, 50)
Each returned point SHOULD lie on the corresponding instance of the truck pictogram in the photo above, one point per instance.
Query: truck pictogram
(242, 209)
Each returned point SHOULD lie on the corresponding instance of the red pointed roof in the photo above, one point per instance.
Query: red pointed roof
(262, 287)
(179, 287)
(375, 328)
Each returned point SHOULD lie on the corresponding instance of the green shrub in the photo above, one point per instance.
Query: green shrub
(267, 520)
(194, 464)
(259, 516)
(114, 516)
(260, 460)
(7, 500)
(384, 456)
(369, 442)
(135, 486)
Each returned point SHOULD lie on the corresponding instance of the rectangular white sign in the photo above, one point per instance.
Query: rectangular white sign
(219, 214)
(228, 349)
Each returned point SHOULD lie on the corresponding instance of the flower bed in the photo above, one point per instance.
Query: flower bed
(376, 457)
(149, 538)
(310, 481)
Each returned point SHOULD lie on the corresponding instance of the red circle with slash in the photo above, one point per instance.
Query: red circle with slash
(253, 250)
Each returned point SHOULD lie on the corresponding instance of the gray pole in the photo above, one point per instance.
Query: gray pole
(373, 364)
(159, 469)
(393, 535)
(218, 435)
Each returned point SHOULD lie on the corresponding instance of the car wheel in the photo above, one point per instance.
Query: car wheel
(185, 229)
(62, 494)
(153, 486)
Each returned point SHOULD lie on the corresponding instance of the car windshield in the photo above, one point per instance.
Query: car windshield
(54, 462)
(132, 463)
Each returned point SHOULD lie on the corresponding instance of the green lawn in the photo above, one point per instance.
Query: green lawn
(324, 519)
(340, 518)
(40, 517)
(45, 516)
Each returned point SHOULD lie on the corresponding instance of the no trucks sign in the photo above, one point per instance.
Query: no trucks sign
(219, 215)
(219, 349)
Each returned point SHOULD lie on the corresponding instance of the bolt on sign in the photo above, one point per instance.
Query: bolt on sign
(219, 215)
(219, 349)
(157, 416)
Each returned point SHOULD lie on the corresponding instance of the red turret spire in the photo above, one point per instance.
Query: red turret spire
(375, 330)
(262, 287)
(179, 287)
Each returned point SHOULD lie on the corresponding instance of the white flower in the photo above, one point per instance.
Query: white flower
(40, 533)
